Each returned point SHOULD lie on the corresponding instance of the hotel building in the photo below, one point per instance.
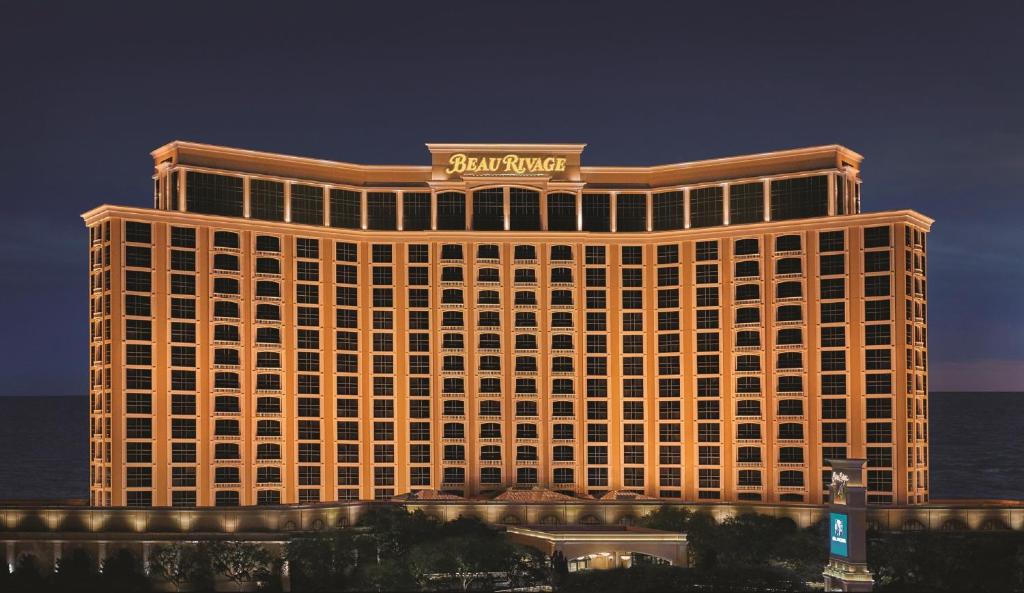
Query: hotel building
(278, 329)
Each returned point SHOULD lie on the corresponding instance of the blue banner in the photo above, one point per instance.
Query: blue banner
(838, 529)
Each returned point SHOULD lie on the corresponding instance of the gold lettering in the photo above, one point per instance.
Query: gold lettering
(456, 163)
(514, 164)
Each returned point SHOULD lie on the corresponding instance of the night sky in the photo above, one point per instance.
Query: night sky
(930, 95)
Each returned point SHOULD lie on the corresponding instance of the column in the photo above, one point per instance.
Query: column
(613, 204)
(400, 210)
(579, 211)
(433, 210)
(649, 200)
(363, 218)
(831, 195)
(506, 207)
(182, 180)
(686, 207)
(543, 210)
(327, 205)
(725, 203)
(767, 200)
(246, 206)
(287, 201)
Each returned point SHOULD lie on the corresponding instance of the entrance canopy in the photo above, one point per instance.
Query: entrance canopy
(603, 546)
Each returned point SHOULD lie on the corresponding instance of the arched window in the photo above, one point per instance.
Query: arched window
(787, 243)
(791, 431)
(789, 265)
(786, 290)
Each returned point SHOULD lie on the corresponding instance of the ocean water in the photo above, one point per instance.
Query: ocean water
(976, 451)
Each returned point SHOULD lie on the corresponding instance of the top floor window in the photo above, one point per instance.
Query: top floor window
(669, 212)
(488, 209)
(415, 211)
(208, 193)
(706, 207)
(746, 203)
(801, 197)
(307, 204)
(451, 211)
(346, 209)
(561, 212)
(380, 211)
(524, 209)
(631, 213)
(596, 213)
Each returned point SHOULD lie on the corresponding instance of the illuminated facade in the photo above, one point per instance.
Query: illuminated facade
(284, 330)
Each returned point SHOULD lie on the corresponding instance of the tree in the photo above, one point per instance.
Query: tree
(240, 562)
(321, 562)
(28, 575)
(527, 567)
(123, 572)
(460, 563)
(667, 518)
(181, 564)
(76, 572)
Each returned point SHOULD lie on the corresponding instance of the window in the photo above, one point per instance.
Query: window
(208, 193)
(451, 211)
(831, 241)
(381, 211)
(833, 312)
(524, 209)
(876, 261)
(561, 212)
(415, 211)
(878, 236)
(876, 286)
(307, 204)
(746, 203)
(596, 212)
(488, 209)
(802, 197)
(788, 265)
(668, 211)
(346, 209)
(706, 207)
(631, 213)
(183, 237)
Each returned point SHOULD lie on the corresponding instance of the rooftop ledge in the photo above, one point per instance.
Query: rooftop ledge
(720, 169)
(905, 215)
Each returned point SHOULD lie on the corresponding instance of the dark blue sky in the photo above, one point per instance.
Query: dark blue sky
(930, 94)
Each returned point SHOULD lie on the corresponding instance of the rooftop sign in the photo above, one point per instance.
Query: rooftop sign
(460, 163)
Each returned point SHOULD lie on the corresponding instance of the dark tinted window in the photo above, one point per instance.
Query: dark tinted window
(207, 193)
(266, 200)
(803, 197)
(416, 211)
(307, 204)
(706, 207)
(746, 203)
(562, 212)
(380, 211)
(345, 209)
(524, 209)
(668, 211)
(631, 213)
(596, 214)
(451, 211)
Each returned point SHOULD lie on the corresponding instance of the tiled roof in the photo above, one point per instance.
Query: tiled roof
(533, 495)
(625, 495)
(426, 495)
